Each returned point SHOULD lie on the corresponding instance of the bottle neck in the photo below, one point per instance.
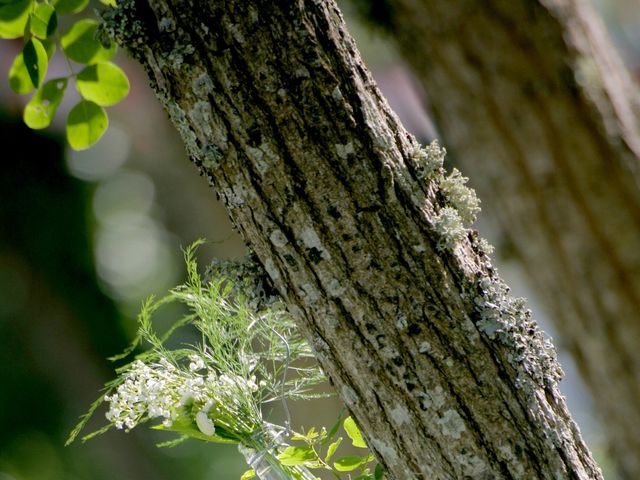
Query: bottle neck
(262, 458)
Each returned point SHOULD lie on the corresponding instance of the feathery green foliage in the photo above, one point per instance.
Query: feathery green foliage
(215, 389)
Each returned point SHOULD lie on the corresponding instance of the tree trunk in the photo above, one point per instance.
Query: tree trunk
(361, 233)
(537, 108)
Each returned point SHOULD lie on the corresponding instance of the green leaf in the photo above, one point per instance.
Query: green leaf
(332, 449)
(185, 425)
(43, 21)
(86, 123)
(248, 474)
(19, 79)
(312, 433)
(299, 437)
(110, 3)
(365, 476)
(334, 429)
(67, 7)
(377, 473)
(297, 455)
(354, 433)
(350, 463)
(103, 83)
(13, 18)
(40, 110)
(81, 45)
(50, 47)
(35, 60)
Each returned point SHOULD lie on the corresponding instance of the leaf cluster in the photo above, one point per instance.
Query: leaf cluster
(99, 82)
(316, 450)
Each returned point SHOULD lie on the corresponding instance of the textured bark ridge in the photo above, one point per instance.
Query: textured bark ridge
(361, 232)
(533, 102)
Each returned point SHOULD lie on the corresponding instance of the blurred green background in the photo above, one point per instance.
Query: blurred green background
(86, 236)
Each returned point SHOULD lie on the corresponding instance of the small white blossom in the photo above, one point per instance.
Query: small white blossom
(205, 424)
(196, 363)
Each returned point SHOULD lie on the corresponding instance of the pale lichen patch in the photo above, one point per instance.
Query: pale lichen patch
(400, 415)
(201, 116)
(302, 72)
(428, 160)
(448, 225)
(484, 246)
(311, 293)
(257, 157)
(463, 198)
(166, 24)
(507, 453)
(349, 395)
(278, 239)
(387, 451)
(334, 288)
(438, 396)
(424, 347)
(271, 269)
(345, 150)
(508, 321)
(473, 466)
(419, 248)
(451, 424)
(311, 240)
(202, 85)
(211, 157)
(236, 33)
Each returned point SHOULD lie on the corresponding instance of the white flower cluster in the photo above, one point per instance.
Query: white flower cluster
(158, 390)
(162, 390)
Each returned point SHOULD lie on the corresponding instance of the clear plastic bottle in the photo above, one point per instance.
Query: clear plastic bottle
(267, 466)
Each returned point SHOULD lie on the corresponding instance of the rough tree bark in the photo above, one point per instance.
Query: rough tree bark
(534, 103)
(361, 233)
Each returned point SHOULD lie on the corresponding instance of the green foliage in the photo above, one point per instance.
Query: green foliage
(14, 16)
(100, 83)
(317, 451)
(248, 475)
(216, 390)
(86, 124)
(43, 21)
(69, 7)
(81, 45)
(42, 107)
(19, 78)
(104, 84)
(354, 433)
(36, 61)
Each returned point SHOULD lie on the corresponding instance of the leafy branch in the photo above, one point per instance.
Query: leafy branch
(318, 450)
(100, 82)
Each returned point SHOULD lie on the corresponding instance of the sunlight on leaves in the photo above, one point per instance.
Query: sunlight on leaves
(43, 21)
(13, 18)
(19, 78)
(354, 433)
(103, 83)
(81, 45)
(36, 61)
(42, 107)
(86, 124)
(67, 7)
